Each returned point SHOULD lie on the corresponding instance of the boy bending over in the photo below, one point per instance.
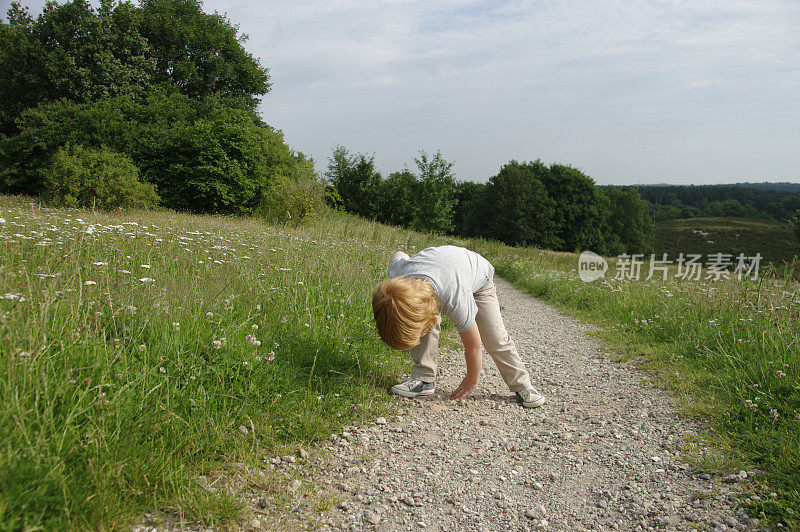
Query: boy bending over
(458, 282)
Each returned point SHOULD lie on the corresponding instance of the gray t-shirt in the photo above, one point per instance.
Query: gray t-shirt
(456, 274)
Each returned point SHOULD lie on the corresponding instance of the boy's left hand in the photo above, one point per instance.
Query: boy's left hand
(466, 387)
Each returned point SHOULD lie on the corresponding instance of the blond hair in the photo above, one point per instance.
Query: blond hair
(405, 310)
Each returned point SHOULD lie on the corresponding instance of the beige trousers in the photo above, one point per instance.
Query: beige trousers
(493, 335)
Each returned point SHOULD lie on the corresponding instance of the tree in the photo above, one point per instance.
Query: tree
(580, 222)
(395, 198)
(75, 52)
(467, 193)
(71, 51)
(433, 210)
(295, 191)
(201, 54)
(630, 219)
(201, 160)
(521, 211)
(356, 181)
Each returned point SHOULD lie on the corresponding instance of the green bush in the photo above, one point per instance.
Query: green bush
(295, 192)
(87, 177)
(201, 159)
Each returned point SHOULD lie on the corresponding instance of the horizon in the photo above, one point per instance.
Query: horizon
(645, 94)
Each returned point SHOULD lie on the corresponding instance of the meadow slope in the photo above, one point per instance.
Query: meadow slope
(156, 363)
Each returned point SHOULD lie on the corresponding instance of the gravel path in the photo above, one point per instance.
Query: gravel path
(602, 454)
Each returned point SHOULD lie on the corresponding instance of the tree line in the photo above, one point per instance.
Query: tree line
(156, 104)
(142, 105)
(526, 203)
(776, 201)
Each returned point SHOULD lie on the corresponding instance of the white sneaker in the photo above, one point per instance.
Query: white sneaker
(413, 388)
(530, 397)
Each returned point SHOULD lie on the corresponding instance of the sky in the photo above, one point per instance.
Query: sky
(679, 92)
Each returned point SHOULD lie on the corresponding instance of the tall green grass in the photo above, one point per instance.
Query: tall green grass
(729, 349)
(140, 351)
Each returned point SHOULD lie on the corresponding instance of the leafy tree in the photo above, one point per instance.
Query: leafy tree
(356, 181)
(200, 160)
(433, 209)
(86, 177)
(201, 54)
(164, 84)
(71, 51)
(75, 52)
(477, 213)
(295, 192)
(467, 193)
(580, 222)
(521, 211)
(395, 200)
(630, 219)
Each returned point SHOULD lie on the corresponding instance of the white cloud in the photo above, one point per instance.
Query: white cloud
(645, 91)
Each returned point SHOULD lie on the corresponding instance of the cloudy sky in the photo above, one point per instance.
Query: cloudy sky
(629, 92)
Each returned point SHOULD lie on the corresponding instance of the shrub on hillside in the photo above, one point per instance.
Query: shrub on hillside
(87, 177)
(295, 192)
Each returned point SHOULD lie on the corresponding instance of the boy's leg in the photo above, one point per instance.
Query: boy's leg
(497, 341)
(424, 355)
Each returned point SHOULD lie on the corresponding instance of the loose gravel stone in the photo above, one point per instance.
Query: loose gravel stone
(486, 463)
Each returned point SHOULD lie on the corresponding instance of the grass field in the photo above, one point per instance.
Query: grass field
(143, 353)
(773, 240)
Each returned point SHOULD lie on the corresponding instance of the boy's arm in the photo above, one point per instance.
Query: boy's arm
(472, 353)
(399, 255)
